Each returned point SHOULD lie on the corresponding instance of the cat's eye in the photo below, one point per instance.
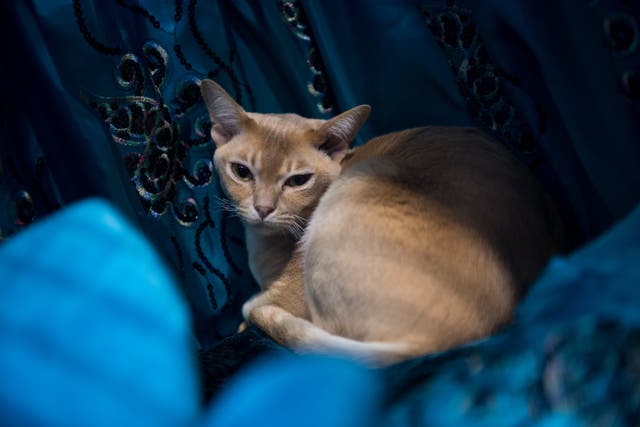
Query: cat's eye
(241, 171)
(298, 180)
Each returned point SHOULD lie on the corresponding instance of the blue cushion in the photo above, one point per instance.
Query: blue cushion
(92, 329)
(299, 391)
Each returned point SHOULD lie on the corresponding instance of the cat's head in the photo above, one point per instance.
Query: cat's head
(275, 167)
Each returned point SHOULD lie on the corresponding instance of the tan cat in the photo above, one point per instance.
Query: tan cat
(414, 243)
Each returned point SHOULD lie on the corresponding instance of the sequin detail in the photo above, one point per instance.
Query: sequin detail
(293, 15)
(484, 86)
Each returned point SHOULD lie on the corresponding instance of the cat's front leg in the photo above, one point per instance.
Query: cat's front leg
(259, 299)
(286, 292)
(282, 326)
(263, 298)
(270, 297)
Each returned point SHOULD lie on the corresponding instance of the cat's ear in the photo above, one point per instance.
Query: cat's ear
(338, 132)
(227, 116)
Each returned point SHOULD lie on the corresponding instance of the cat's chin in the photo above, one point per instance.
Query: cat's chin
(265, 228)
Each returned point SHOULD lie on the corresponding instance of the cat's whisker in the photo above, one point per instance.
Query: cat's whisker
(298, 227)
(299, 222)
(225, 205)
(294, 224)
(294, 231)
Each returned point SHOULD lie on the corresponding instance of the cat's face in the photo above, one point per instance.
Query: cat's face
(275, 168)
(273, 171)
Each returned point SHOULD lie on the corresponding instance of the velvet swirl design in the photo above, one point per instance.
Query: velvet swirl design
(162, 133)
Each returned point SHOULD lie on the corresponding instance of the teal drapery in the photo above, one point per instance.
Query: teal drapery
(99, 99)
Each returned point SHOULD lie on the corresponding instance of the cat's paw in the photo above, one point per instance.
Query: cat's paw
(242, 327)
(253, 302)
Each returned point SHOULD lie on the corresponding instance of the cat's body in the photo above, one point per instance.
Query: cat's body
(425, 240)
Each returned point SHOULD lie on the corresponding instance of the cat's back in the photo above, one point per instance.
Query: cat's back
(437, 217)
(475, 181)
(439, 157)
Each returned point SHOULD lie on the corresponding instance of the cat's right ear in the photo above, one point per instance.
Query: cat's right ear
(339, 131)
(227, 116)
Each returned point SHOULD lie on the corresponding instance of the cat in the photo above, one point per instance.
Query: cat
(416, 242)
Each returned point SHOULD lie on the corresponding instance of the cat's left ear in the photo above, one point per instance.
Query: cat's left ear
(227, 116)
(339, 131)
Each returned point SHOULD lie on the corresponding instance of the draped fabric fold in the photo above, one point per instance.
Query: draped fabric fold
(100, 99)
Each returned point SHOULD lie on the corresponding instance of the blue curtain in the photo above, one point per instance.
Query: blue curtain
(100, 99)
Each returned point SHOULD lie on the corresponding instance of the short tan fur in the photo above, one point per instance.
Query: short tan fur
(418, 241)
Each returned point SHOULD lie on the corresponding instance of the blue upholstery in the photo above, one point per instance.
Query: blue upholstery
(92, 328)
(99, 99)
(293, 391)
(104, 102)
(568, 358)
(79, 345)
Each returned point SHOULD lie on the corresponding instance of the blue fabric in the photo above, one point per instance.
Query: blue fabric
(78, 346)
(569, 358)
(100, 100)
(590, 118)
(92, 328)
(293, 391)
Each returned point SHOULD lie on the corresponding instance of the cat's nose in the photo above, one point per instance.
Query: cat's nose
(264, 211)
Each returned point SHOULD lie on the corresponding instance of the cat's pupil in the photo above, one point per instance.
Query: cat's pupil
(241, 171)
(298, 180)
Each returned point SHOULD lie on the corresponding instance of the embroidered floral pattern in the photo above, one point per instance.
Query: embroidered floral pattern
(293, 15)
(162, 130)
(483, 85)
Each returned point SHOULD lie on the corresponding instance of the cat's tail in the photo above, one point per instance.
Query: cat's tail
(304, 337)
